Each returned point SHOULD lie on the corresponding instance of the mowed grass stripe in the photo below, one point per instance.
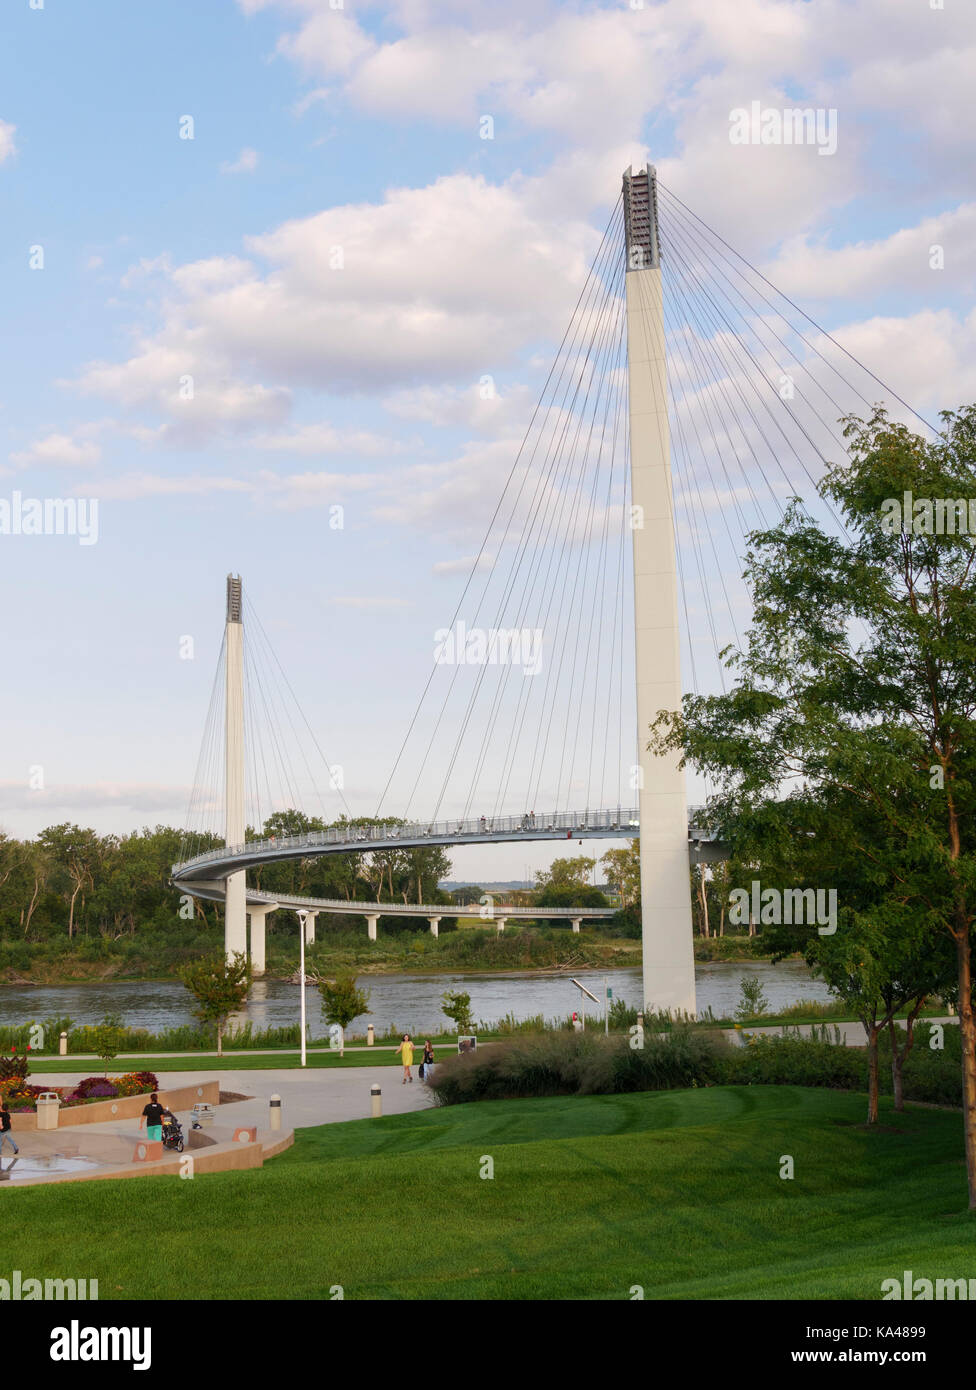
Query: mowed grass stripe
(679, 1192)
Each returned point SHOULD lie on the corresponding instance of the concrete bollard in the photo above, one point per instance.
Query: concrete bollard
(370, 1035)
(63, 1045)
(375, 1096)
(274, 1107)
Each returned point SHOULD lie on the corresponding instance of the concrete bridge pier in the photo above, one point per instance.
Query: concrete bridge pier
(259, 916)
(434, 924)
(576, 924)
(500, 925)
(371, 920)
(310, 927)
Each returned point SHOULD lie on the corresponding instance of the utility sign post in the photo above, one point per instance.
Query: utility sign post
(583, 992)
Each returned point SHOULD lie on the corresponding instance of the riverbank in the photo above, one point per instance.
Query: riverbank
(542, 951)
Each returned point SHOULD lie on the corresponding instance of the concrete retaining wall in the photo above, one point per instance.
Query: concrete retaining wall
(123, 1107)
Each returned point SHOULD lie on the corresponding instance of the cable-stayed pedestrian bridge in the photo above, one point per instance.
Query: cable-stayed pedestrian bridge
(690, 417)
(219, 863)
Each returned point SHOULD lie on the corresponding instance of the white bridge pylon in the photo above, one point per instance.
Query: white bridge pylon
(670, 838)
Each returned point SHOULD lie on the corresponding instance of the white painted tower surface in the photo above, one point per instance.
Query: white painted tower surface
(235, 903)
(666, 929)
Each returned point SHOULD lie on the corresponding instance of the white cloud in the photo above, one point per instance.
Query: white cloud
(136, 796)
(245, 163)
(7, 144)
(812, 270)
(58, 450)
(326, 439)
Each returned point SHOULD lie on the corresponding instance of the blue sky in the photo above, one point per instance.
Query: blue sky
(360, 126)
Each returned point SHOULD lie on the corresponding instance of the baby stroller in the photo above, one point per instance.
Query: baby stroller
(172, 1133)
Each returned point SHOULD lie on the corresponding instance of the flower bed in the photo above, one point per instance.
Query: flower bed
(20, 1095)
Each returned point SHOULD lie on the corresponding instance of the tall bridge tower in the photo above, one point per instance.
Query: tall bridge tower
(666, 929)
(235, 903)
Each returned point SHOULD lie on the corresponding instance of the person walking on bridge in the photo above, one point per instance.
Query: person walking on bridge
(406, 1048)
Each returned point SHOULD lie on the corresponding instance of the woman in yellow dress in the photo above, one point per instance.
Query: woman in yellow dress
(406, 1048)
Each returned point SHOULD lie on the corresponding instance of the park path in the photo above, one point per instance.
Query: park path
(317, 1096)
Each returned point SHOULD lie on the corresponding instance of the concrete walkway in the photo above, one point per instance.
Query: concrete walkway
(852, 1034)
(314, 1097)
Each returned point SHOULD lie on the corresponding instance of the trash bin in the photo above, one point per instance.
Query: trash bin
(48, 1108)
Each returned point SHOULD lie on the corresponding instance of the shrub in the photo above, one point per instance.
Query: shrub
(14, 1066)
(790, 1060)
(135, 1083)
(95, 1086)
(555, 1064)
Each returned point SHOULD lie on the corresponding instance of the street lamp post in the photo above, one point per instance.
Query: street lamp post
(301, 973)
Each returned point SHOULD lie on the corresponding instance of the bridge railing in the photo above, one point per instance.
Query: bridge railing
(454, 830)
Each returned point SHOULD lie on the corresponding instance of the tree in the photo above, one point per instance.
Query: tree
(622, 870)
(76, 852)
(342, 1002)
(107, 1038)
(566, 883)
(457, 1006)
(567, 873)
(859, 677)
(220, 987)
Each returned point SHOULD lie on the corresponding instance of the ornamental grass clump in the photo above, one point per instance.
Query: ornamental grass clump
(561, 1064)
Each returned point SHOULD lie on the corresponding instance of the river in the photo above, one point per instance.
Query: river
(410, 1002)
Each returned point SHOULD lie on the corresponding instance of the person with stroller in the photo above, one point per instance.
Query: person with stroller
(152, 1117)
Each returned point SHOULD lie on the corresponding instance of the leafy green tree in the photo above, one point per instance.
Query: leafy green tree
(76, 852)
(220, 987)
(107, 1038)
(342, 1001)
(457, 1006)
(622, 870)
(566, 883)
(859, 677)
(752, 999)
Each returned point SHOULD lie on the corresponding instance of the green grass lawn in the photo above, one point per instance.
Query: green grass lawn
(678, 1192)
(380, 1055)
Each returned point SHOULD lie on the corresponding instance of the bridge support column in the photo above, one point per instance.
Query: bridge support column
(576, 924)
(310, 928)
(666, 929)
(235, 898)
(500, 924)
(371, 921)
(434, 924)
(259, 916)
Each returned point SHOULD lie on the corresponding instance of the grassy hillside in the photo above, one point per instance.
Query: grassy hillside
(678, 1192)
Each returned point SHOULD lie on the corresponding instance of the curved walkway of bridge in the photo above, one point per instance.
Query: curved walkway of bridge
(259, 904)
(570, 825)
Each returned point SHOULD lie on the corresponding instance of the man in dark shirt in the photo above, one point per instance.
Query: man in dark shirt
(5, 1136)
(152, 1118)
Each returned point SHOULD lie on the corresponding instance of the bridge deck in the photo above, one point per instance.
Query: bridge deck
(571, 825)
